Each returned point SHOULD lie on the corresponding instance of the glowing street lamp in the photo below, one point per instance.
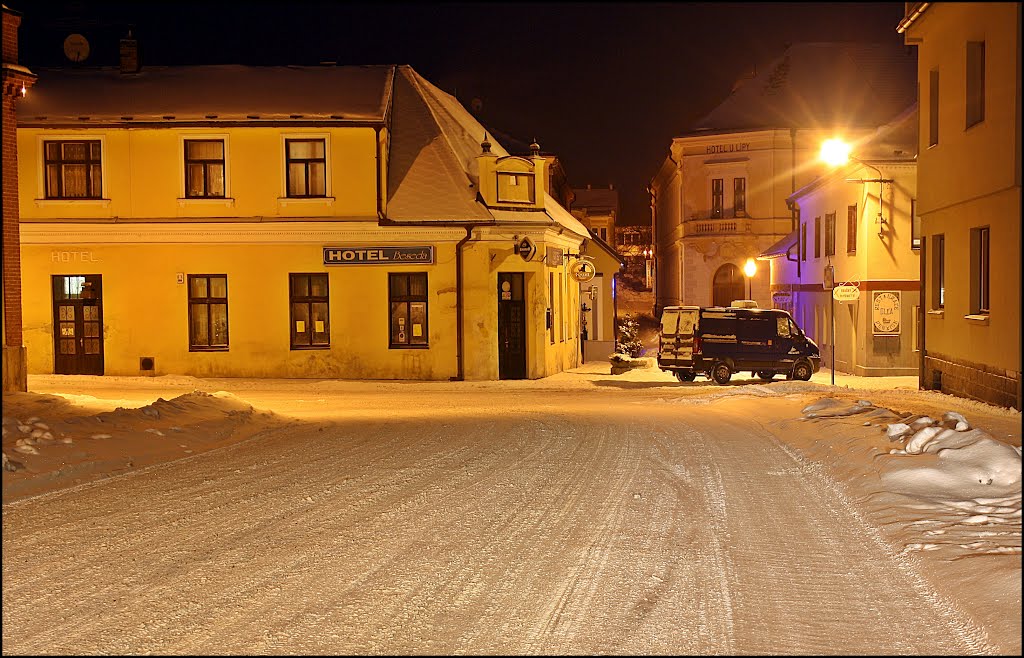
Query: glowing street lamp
(835, 152)
(750, 269)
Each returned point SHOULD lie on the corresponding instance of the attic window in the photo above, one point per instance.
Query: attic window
(516, 188)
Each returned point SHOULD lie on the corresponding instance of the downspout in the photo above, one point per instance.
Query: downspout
(921, 315)
(459, 351)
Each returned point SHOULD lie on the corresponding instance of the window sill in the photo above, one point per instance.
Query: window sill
(977, 319)
(408, 347)
(285, 200)
(227, 201)
(207, 349)
(937, 313)
(77, 202)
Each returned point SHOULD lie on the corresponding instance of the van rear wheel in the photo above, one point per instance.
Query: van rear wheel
(686, 375)
(766, 375)
(802, 371)
(721, 372)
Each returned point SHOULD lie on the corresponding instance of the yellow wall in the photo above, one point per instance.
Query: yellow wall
(143, 172)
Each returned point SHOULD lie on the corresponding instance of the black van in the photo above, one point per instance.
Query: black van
(719, 341)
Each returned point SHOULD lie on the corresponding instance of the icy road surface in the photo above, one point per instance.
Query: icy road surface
(529, 522)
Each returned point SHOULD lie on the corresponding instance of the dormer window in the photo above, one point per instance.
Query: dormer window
(515, 188)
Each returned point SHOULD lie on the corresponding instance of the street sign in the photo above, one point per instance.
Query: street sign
(828, 279)
(526, 249)
(846, 293)
(582, 270)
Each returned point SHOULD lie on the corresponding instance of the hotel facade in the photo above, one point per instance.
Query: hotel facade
(319, 222)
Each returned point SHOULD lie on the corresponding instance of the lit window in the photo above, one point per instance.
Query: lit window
(73, 169)
(204, 168)
(407, 294)
(306, 167)
(207, 312)
(310, 311)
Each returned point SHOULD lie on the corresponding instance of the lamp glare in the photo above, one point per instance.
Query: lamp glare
(835, 152)
(750, 267)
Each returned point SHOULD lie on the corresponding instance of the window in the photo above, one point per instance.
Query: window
(980, 271)
(817, 237)
(73, 169)
(933, 108)
(604, 234)
(851, 229)
(204, 168)
(408, 296)
(739, 196)
(207, 312)
(975, 82)
(310, 311)
(915, 226)
(803, 241)
(717, 196)
(939, 271)
(306, 167)
(830, 234)
(551, 307)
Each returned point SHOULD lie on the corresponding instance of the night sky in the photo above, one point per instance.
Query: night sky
(605, 86)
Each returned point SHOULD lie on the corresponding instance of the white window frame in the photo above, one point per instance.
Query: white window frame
(283, 197)
(227, 199)
(41, 139)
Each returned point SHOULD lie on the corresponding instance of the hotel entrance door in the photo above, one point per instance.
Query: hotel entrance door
(511, 326)
(78, 325)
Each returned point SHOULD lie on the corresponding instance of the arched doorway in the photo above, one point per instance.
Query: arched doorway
(728, 285)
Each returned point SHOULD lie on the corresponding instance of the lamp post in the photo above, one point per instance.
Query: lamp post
(749, 270)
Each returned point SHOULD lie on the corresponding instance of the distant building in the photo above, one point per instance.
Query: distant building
(969, 195)
(598, 209)
(858, 220)
(17, 80)
(719, 197)
(633, 243)
(333, 221)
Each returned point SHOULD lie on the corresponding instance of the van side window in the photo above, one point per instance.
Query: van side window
(793, 329)
(783, 326)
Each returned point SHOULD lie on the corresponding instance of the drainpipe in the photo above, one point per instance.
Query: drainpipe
(459, 354)
(921, 314)
(792, 209)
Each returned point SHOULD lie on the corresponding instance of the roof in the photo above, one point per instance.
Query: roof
(780, 248)
(821, 85)
(598, 197)
(196, 93)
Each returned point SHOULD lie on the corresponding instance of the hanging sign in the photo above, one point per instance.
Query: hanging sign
(582, 270)
(378, 255)
(526, 249)
(828, 279)
(846, 293)
(885, 312)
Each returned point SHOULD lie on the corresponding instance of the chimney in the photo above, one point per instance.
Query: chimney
(129, 54)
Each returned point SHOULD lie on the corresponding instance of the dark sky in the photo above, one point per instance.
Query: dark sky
(605, 86)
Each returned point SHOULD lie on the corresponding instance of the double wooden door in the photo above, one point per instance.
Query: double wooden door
(511, 326)
(78, 324)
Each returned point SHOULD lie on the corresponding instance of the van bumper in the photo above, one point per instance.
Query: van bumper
(815, 363)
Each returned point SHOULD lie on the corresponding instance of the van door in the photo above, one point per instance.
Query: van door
(787, 334)
(677, 329)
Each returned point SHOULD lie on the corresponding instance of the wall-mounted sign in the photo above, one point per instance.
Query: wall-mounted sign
(728, 148)
(846, 293)
(828, 278)
(73, 257)
(526, 249)
(378, 255)
(553, 256)
(885, 312)
(582, 270)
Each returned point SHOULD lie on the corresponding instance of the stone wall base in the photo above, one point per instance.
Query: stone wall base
(15, 369)
(976, 381)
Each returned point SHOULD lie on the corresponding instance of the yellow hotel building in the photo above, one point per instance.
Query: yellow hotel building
(313, 222)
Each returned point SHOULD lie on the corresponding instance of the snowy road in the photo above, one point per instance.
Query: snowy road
(533, 522)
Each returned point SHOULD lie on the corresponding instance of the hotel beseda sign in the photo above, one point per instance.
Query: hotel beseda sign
(379, 255)
(885, 312)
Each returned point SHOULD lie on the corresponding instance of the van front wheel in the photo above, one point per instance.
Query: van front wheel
(721, 372)
(802, 371)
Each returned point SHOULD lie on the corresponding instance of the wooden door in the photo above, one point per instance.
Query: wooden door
(511, 326)
(77, 325)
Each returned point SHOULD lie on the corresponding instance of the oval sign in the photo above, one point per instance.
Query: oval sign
(846, 293)
(582, 271)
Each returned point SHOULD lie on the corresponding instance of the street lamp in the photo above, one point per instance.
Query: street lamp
(750, 269)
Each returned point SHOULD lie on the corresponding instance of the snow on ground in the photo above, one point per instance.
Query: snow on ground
(939, 475)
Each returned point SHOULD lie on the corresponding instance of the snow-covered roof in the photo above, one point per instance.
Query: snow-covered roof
(226, 92)
(821, 85)
(780, 248)
(598, 197)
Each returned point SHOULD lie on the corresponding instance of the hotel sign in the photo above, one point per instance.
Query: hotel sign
(727, 148)
(379, 255)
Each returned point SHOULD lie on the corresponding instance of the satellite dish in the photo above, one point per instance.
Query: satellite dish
(76, 47)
